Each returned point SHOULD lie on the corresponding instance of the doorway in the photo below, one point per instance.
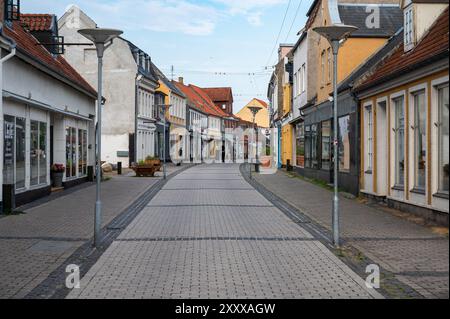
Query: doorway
(382, 150)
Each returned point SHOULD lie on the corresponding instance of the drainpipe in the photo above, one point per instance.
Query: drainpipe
(136, 114)
(12, 45)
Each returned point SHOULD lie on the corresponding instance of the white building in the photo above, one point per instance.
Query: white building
(48, 111)
(129, 88)
(300, 97)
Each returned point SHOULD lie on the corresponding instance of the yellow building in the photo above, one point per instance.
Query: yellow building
(262, 118)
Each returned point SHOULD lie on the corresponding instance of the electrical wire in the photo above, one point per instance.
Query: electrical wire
(279, 33)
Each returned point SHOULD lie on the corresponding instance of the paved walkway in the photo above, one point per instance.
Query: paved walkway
(34, 244)
(415, 254)
(209, 234)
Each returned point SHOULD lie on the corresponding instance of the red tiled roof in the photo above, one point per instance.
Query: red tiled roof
(224, 94)
(193, 98)
(433, 44)
(212, 108)
(28, 45)
(37, 22)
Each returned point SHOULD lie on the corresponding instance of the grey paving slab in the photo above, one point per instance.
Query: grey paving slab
(206, 222)
(220, 269)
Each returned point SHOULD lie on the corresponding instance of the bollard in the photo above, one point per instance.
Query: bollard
(119, 168)
(289, 167)
(9, 198)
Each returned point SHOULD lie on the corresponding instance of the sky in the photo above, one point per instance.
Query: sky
(210, 43)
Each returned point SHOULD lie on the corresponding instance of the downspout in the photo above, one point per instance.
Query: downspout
(12, 45)
(136, 114)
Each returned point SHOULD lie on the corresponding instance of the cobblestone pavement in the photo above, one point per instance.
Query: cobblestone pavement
(209, 234)
(35, 243)
(415, 254)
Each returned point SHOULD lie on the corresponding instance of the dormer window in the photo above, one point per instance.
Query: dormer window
(409, 28)
(12, 10)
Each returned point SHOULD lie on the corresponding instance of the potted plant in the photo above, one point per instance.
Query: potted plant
(57, 172)
(146, 168)
(151, 160)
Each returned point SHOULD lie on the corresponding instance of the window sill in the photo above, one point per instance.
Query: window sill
(398, 188)
(443, 195)
(419, 191)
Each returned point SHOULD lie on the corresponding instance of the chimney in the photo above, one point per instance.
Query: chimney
(181, 80)
(284, 50)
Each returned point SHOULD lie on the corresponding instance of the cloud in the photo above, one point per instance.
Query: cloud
(255, 19)
(155, 15)
(251, 9)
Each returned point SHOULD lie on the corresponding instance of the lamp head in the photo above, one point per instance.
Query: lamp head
(254, 109)
(336, 32)
(100, 37)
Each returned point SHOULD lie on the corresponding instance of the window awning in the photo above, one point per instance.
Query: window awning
(18, 98)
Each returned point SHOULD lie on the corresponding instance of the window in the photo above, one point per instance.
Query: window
(399, 130)
(420, 140)
(82, 152)
(38, 156)
(14, 151)
(71, 152)
(409, 28)
(322, 68)
(308, 146)
(300, 145)
(344, 143)
(443, 134)
(304, 77)
(326, 145)
(329, 64)
(369, 138)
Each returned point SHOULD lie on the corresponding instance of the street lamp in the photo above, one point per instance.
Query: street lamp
(102, 39)
(255, 110)
(164, 107)
(334, 34)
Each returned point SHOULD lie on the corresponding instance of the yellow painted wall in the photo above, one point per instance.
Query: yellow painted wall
(287, 99)
(286, 144)
(262, 118)
(351, 54)
(173, 119)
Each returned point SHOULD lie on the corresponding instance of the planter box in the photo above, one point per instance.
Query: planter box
(145, 170)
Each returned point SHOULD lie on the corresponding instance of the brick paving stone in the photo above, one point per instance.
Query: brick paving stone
(394, 243)
(34, 244)
(220, 269)
(218, 244)
(203, 222)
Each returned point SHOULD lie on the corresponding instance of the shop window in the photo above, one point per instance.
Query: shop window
(71, 152)
(14, 151)
(420, 140)
(300, 145)
(399, 131)
(326, 145)
(82, 152)
(443, 134)
(344, 143)
(38, 154)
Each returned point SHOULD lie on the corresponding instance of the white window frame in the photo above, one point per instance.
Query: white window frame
(368, 109)
(393, 97)
(409, 28)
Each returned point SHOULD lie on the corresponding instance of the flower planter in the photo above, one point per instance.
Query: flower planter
(145, 170)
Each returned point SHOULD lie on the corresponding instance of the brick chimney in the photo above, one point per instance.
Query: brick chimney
(283, 50)
(181, 80)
